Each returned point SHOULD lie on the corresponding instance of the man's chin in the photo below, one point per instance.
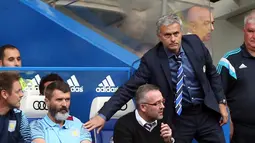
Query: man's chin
(61, 116)
(160, 117)
(15, 106)
(207, 38)
(173, 48)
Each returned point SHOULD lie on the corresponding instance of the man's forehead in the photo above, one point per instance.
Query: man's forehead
(58, 93)
(11, 52)
(208, 17)
(154, 95)
(16, 85)
(171, 28)
(200, 14)
(250, 25)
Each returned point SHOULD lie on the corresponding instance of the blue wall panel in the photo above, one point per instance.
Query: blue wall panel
(46, 37)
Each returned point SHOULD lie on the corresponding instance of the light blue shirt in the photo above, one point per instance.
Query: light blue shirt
(71, 132)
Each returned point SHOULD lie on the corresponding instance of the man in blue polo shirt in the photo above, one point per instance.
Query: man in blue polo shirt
(58, 126)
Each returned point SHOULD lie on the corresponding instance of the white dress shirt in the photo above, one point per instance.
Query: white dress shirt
(142, 122)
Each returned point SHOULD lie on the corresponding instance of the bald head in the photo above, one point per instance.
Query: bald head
(200, 21)
(197, 13)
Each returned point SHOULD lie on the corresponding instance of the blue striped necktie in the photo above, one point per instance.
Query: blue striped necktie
(148, 126)
(179, 86)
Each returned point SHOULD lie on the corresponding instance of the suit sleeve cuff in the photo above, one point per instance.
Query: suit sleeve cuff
(103, 116)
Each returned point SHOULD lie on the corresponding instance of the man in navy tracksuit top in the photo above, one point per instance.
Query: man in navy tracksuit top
(14, 127)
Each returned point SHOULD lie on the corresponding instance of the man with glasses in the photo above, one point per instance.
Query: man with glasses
(182, 68)
(144, 125)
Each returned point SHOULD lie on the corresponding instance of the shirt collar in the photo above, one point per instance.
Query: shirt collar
(245, 52)
(171, 54)
(53, 124)
(141, 121)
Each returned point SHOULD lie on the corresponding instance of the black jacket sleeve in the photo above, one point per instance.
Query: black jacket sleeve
(227, 80)
(127, 91)
(212, 75)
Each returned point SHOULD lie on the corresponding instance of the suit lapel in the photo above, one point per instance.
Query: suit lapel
(191, 54)
(165, 64)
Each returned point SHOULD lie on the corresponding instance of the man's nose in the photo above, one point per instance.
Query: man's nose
(16, 63)
(64, 103)
(162, 106)
(172, 38)
(253, 35)
(21, 94)
(212, 27)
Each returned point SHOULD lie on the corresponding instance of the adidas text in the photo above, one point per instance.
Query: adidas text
(76, 89)
(106, 89)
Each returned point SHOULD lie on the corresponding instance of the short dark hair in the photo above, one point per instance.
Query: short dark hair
(47, 78)
(4, 47)
(7, 78)
(56, 85)
(142, 91)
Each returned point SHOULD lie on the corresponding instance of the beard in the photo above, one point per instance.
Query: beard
(59, 114)
(12, 106)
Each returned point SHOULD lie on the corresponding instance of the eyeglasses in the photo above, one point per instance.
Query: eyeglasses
(158, 103)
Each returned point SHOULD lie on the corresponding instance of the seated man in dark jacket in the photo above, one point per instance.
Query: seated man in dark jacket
(144, 125)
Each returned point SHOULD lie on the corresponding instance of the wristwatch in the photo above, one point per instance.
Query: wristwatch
(223, 101)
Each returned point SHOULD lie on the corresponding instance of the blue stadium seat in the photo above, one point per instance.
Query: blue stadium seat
(105, 136)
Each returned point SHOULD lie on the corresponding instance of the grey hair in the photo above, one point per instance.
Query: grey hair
(168, 20)
(250, 17)
(142, 91)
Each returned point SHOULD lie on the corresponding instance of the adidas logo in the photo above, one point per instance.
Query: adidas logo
(242, 66)
(36, 80)
(107, 85)
(74, 84)
(31, 84)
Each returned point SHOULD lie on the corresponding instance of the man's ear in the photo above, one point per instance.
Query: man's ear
(4, 94)
(158, 35)
(1, 63)
(192, 26)
(143, 107)
(47, 101)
